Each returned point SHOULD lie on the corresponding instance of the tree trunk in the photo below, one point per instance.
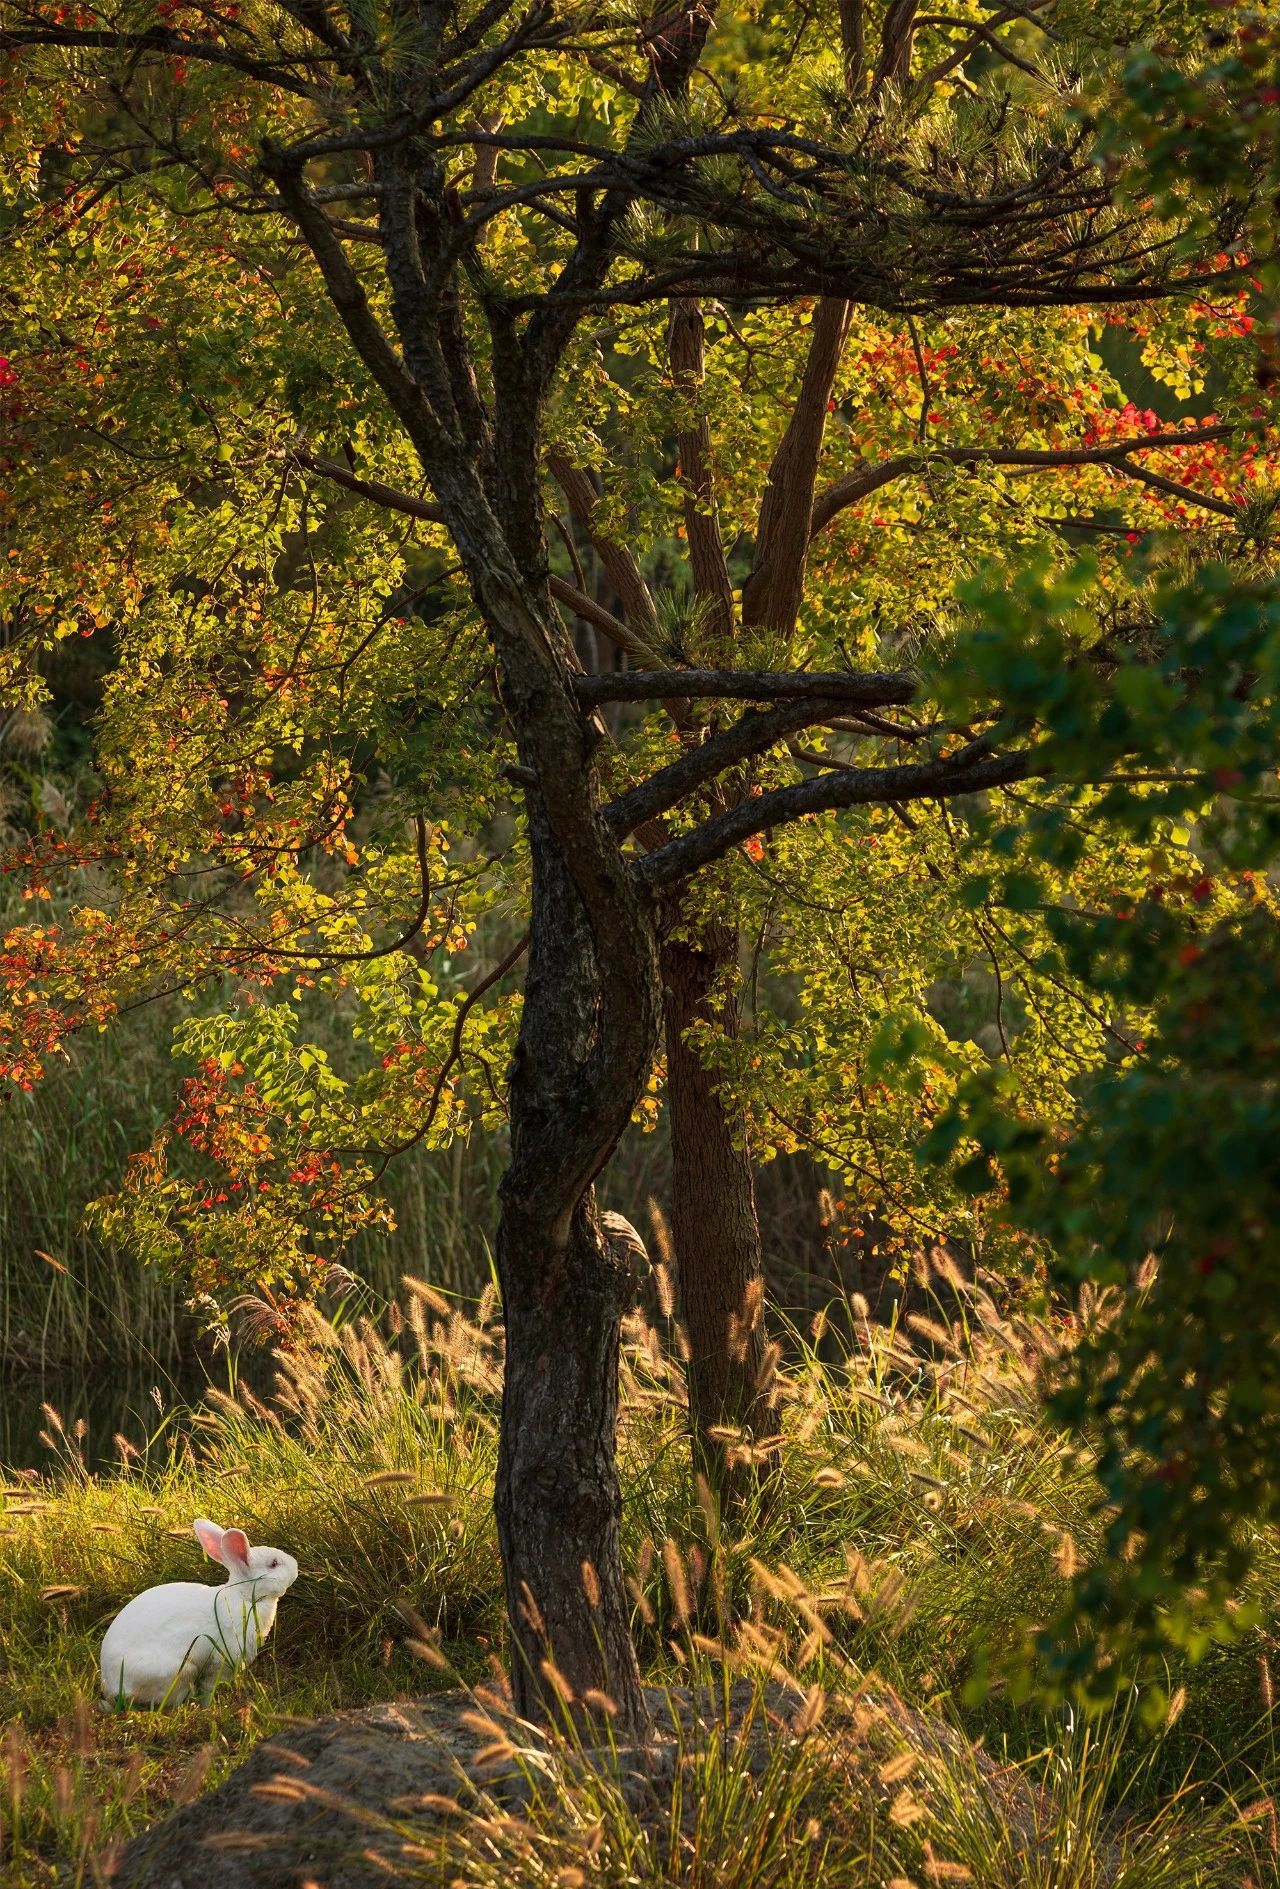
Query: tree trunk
(714, 1228)
(714, 1223)
(557, 1499)
(586, 1046)
(589, 1028)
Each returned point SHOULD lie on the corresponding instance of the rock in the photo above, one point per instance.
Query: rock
(300, 1806)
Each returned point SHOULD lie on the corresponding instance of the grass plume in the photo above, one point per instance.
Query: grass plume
(922, 1516)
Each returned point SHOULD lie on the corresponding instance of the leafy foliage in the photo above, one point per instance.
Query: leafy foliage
(617, 291)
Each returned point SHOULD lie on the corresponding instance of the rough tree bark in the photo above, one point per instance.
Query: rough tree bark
(588, 1035)
(715, 1229)
(565, 1288)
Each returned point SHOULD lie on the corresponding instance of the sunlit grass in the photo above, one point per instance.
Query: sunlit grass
(922, 1513)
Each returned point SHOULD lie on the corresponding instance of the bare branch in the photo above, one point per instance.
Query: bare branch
(260, 947)
(873, 690)
(865, 479)
(620, 565)
(474, 31)
(604, 620)
(393, 500)
(865, 723)
(1205, 500)
(712, 584)
(450, 1062)
(388, 496)
(751, 735)
(979, 35)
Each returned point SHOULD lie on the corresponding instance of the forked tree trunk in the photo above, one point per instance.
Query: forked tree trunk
(714, 1226)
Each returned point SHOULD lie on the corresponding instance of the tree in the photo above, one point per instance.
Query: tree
(793, 601)
(387, 280)
(1163, 1192)
(768, 491)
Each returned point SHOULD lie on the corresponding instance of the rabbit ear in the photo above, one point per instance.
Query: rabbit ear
(210, 1537)
(235, 1546)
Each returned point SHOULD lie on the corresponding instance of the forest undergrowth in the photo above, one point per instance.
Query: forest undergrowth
(921, 1516)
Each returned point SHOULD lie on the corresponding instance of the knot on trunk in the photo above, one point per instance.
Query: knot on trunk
(627, 1254)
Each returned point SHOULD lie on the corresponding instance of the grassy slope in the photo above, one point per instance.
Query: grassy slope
(918, 1519)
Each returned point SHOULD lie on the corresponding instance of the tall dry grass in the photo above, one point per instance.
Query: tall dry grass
(922, 1515)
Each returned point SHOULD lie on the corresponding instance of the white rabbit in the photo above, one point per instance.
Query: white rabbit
(183, 1637)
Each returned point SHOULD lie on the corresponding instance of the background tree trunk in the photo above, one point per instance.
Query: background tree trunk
(714, 1226)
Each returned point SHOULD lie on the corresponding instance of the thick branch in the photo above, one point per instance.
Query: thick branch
(873, 690)
(619, 564)
(712, 585)
(161, 39)
(864, 480)
(773, 592)
(388, 496)
(826, 793)
(800, 274)
(604, 620)
(752, 734)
